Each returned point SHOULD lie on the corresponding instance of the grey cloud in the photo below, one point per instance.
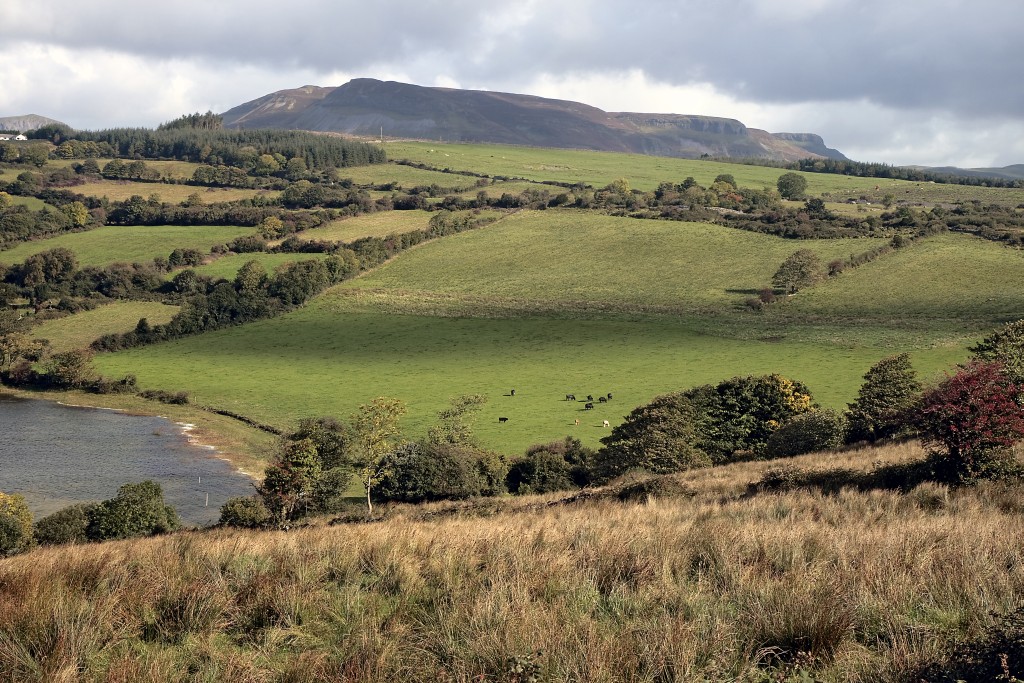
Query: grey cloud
(871, 75)
(909, 54)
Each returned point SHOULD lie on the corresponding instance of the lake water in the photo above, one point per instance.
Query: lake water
(56, 455)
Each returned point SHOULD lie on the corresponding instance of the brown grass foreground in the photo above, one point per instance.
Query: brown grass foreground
(707, 585)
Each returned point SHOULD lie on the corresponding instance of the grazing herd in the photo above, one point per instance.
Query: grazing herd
(587, 405)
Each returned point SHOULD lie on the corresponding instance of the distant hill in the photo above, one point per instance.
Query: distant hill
(26, 122)
(1014, 172)
(363, 106)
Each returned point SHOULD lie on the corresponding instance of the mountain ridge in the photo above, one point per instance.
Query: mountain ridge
(26, 122)
(363, 106)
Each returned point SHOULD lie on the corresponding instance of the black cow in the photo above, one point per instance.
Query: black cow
(602, 399)
(570, 397)
(589, 397)
(513, 393)
(609, 395)
(502, 419)
(588, 406)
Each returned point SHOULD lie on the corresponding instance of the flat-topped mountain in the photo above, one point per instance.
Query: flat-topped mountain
(364, 106)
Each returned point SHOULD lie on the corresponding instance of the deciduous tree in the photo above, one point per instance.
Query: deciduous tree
(791, 185)
(1006, 346)
(802, 269)
(377, 434)
(885, 401)
(972, 417)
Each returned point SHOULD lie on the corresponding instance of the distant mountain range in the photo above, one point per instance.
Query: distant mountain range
(364, 106)
(1014, 172)
(25, 122)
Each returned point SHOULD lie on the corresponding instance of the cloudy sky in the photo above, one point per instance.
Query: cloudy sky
(931, 82)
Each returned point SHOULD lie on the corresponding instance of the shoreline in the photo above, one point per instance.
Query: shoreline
(205, 438)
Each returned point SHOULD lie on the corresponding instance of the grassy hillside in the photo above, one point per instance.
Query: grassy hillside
(226, 267)
(572, 259)
(119, 190)
(78, 331)
(379, 224)
(554, 303)
(704, 585)
(644, 172)
(950, 277)
(112, 244)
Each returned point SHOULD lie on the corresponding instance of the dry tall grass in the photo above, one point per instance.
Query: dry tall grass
(712, 585)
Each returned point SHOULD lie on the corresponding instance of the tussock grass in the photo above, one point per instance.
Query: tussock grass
(859, 586)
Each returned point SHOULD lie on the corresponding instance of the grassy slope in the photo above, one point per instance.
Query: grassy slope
(949, 277)
(32, 203)
(644, 172)
(379, 224)
(419, 329)
(119, 190)
(78, 331)
(405, 177)
(226, 267)
(706, 587)
(572, 258)
(112, 244)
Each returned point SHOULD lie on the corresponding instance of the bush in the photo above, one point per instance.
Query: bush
(246, 512)
(329, 491)
(557, 466)
(791, 185)
(659, 437)
(419, 472)
(736, 417)
(137, 510)
(971, 419)
(68, 525)
(885, 402)
(12, 535)
(1006, 346)
(816, 430)
(15, 524)
(654, 487)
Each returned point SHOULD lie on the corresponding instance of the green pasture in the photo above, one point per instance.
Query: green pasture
(600, 168)
(551, 303)
(513, 187)
(569, 260)
(120, 190)
(332, 356)
(950, 278)
(646, 172)
(33, 203)
(131, 244)
(406, 177)
(81, 329)
(226, 267)
(380, 224)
